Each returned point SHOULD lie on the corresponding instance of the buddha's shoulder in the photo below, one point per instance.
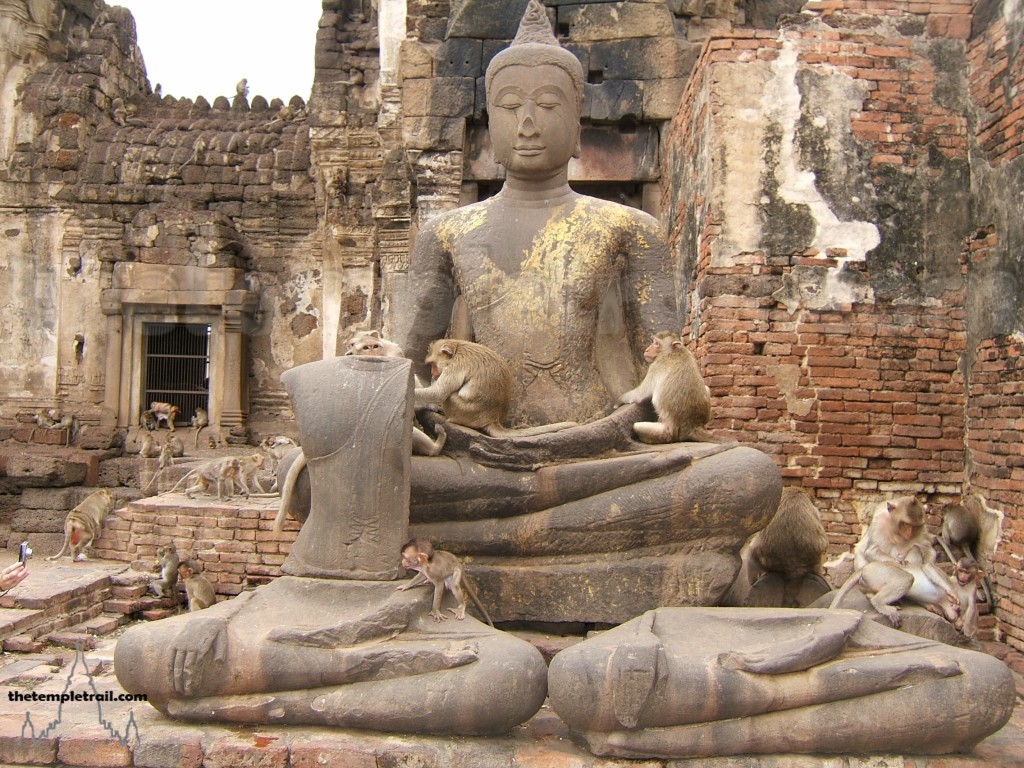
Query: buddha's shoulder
(615, 215)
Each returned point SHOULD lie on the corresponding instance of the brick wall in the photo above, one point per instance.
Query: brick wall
(235, 542)
(995, 404)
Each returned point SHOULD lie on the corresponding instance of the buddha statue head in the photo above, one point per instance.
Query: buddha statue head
(534, 100)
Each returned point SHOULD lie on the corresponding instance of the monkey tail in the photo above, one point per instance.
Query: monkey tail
(849, 584)
(476, 600)
(64, 548)
(198, 430)
(288, 490)
(182, 480)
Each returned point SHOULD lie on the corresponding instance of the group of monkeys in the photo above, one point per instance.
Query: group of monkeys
(198, 590)
(894, 560)
(473, 386)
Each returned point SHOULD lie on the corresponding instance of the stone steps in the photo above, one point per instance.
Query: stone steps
(57, 601)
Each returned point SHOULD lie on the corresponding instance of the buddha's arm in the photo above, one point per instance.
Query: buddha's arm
(650, 295)
(422, 302)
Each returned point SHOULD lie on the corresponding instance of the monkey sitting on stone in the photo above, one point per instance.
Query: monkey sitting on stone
(791, 547)
(167, 563)
(198, 589)
(894, 560)
(443, 570)
(675, 388)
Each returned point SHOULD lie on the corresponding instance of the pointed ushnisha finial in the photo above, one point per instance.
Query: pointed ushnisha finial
(535, 44)
(535, 27)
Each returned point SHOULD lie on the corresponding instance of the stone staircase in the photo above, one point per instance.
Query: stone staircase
(71, 604)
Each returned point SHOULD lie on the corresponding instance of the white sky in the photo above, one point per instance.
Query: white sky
(203, 47)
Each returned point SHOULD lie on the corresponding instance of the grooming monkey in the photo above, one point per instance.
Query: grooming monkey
(198, 589)
(676, 390)
(792, 545)
(164, 412)
(175, 446)
(84, 523)
(199, 420)
(148, 449)
(894, 560)
(961, 531)
(275, 448)
(473, 386)
(246, 480)
(167, 563)
(443, 570)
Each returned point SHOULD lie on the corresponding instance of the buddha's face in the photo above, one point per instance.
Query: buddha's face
(534, 119)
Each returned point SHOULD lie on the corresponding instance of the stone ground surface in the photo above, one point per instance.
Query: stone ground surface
(80, 733)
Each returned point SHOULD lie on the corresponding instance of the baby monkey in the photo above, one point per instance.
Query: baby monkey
(443, 570)
(198, 588)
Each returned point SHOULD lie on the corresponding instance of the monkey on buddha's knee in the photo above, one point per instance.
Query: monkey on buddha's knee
(444, 571)
(675, 388)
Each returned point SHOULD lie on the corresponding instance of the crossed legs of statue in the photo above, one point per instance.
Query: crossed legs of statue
(702, 682)
(334, 643)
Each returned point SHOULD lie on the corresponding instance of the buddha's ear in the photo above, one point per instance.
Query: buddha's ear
(577, 150)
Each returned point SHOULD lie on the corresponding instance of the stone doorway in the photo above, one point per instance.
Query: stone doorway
(176, 366)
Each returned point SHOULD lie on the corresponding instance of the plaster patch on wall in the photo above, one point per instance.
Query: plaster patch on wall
(787, 378)
(740, 122)
(853, 239)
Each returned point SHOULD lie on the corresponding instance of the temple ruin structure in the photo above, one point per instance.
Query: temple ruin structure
(839, 182)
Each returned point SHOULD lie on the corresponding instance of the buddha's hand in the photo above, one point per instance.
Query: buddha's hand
(196, 652)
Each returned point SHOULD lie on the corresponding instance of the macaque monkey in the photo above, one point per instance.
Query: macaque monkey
(149, 448)
(198, 589)
(214, 438)
(792, 545)
(968, 578)
(473, 386)
(177, 447)
(167, 563)
(66, 421)
(246, 480)
(164, 412)
(894, 560)
(371, 343)
(960, 529)
(443, 570)
(84, 523)
(43, 419)
(148, 421)
(199, 420)
(166, 456)
(221, 474)
(676, 390)
(275, 448)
